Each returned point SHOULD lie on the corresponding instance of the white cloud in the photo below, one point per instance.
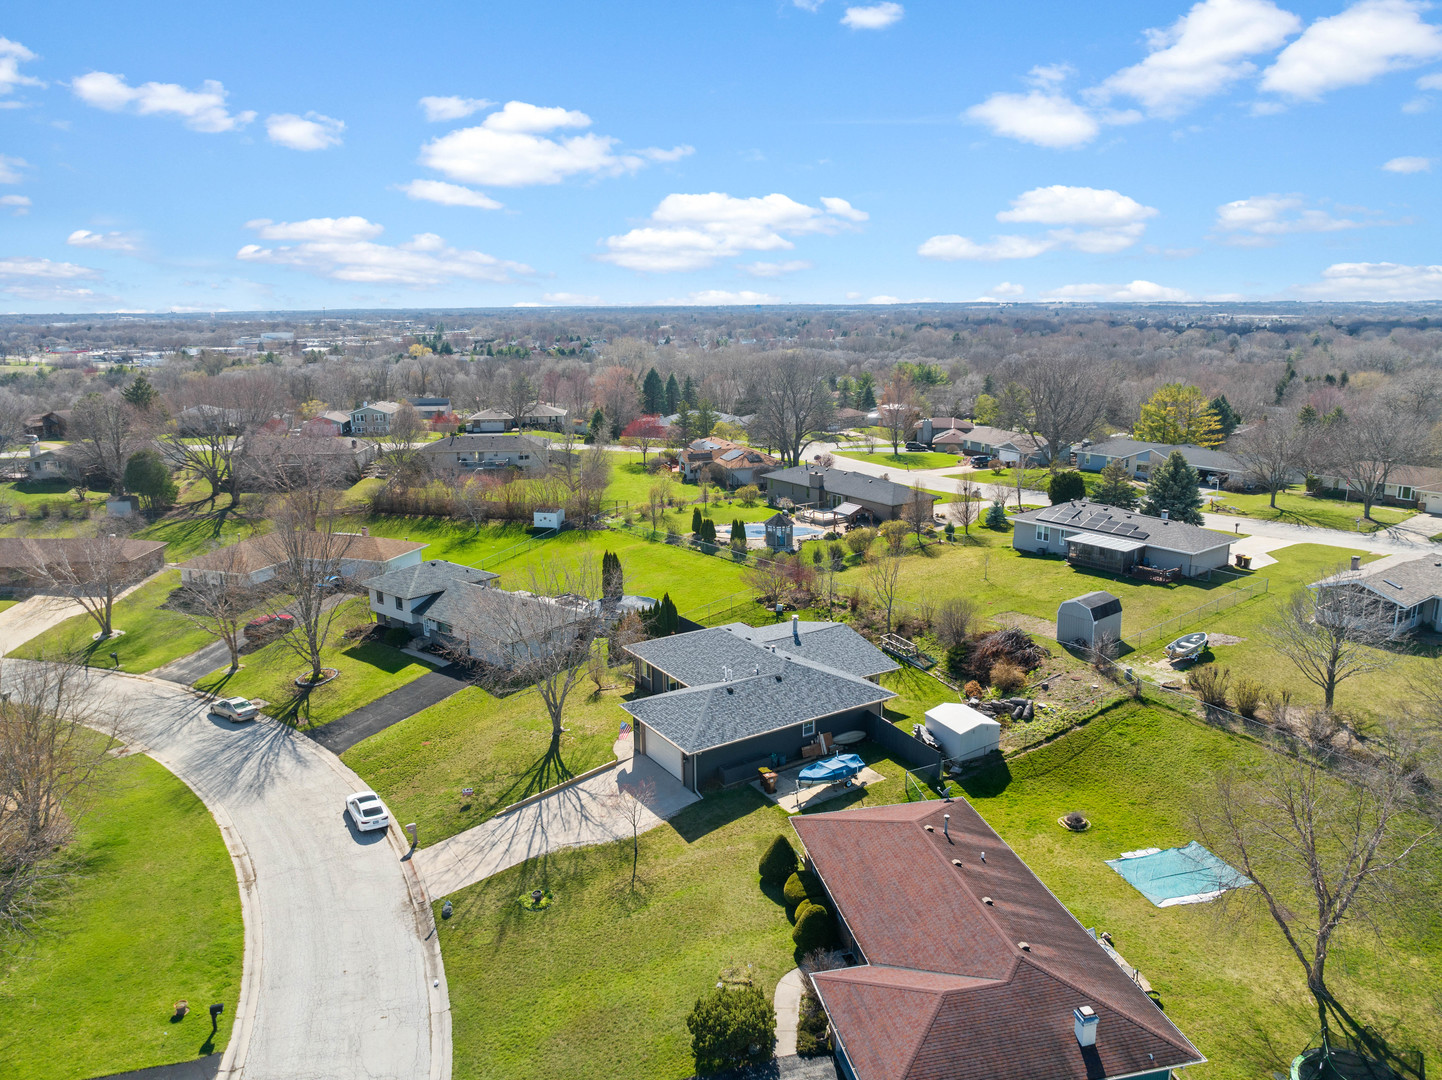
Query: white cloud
(12, 55)
(776, 269)
(808, 5)
(1060, 204)
(690, 232)
(21, 266)
(721, 298)
(10, 169)
(568, 299)
(873, 16)
(1378, 281)
(1369, 39)
(200, 110)
(1116, 222)
(111, 241)
(1040, 116)
(1202, 53)
(342, 249)
(17, 204)
(1408, 165)
(438, 191)
(887, 299)
(452, 108)
(1134, 292)
(509, 149)
(1430, 82)
(1258, 220)
(950, 248)
(312, 131)
(1007, 288)
(41, 279)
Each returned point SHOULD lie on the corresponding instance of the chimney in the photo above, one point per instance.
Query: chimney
(1085, 1025)
(365, 530)
(796, 629)
(1166, 515)
(1356, 562)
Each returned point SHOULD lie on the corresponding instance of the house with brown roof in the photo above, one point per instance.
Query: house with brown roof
(24, 561)
(732, 464)
(1407, 485)
(969, 967)
(253, 561)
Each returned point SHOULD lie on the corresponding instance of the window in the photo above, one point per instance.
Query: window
(380, 597)
(399, 603)
(1405, 494)
(1043, 534)
(808, 729)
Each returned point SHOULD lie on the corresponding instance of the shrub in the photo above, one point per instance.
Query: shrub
(749, 494)
(837, 554)
(996, 516)
(779, 862)
(950, 531)
(895, 533)
(956, 660)
(1247, 693)
(814, 929)
(860, 540)
(726, 1024)
(973, 689)
(954, 619)
(811, 1028)
(802, 886)
(1209, 683)
(1007, 676)
(1065, 486)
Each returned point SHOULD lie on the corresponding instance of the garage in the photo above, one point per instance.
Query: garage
(663, 752)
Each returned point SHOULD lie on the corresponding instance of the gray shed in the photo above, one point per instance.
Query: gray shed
(1088, 619)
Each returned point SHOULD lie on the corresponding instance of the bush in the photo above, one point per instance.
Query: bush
(1209, 683)
(749, 494)
(860, 540)
(895, 533)
(811, 1028)
(956, 660)
(996, 516)
(779, 862)
(1065, 486)
(726, 1024)
(800, 887)
(814, 929)
(1007, 676)
(1248, 695)
(954, 619)
(973, 689)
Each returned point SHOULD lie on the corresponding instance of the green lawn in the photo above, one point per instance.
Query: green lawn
(1035, 479)
(498, 746)
(1296, 507)
(367, 672)
(155, 918)
(919, 459)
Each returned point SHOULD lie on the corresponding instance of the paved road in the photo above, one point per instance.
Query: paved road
(431, 688)
(338, 962)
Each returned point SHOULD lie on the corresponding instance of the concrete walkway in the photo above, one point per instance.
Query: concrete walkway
(583, 813)
(431, 688)
(788, 1012)
(1408, 538)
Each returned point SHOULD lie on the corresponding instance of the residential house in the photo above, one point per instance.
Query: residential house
(22, 558)
(1409, 589)
(341, 458)
(732, 465)
(970, 968)
(254, 561)
(331, 422)
(949, 429)
(1103, 537)
(853, 496)
(51, 425)
(1407, 485)
(1216, 467)
(724, 699)
(491, 421)
(373, 417)
(206, 419)
(843, 418)
(1010, 447)
(469, 453)
(430, 408)
(402, 597)
(44, 464)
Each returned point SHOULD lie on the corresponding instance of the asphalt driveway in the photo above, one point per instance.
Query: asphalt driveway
(435, 686)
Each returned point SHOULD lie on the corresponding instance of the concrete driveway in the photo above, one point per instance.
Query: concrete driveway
(34, 615)
(340, 950)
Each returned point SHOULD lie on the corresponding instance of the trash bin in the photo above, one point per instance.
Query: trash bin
(768, 781)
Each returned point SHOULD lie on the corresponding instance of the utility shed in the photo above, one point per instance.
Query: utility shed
(962, 731)
(1089, 619)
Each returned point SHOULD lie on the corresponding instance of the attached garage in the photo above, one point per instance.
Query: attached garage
(662, 751)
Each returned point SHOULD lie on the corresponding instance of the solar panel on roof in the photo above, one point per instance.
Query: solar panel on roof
(732, 455)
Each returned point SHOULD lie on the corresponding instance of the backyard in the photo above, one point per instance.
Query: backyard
(907, 459)
(1296, 507)
(154, 918)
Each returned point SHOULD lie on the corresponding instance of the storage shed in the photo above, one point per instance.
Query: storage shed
(1089, 619)
(962, 731)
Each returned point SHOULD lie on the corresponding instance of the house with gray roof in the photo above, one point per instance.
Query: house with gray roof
(1007, 446)
(731, 464)
(1100, 537)
(722, 700)
(490, 453)
(1409, 588)
(1139, 458)
(402, 597)
(852, 495)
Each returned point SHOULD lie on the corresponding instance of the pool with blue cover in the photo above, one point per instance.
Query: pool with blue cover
(1184, 875)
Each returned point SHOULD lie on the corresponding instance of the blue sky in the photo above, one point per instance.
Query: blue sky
(163, 156)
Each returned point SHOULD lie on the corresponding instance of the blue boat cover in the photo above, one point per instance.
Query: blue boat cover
(1184, 875)
(832, 769)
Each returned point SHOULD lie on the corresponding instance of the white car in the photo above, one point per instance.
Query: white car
(236, 709)
(367, 811)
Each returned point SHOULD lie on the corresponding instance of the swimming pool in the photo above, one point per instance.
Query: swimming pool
(755, 530)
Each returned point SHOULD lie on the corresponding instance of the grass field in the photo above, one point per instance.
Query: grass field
(155, 918)
(1296, 507)
(907, 459)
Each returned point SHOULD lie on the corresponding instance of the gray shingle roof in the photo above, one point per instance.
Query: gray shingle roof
(477, 612)
(1083, 515)
(1405, 583)
(435, 575)
(701, 656)
(531, 444)
(849, 485)
(1198, 457)
(1100, 604)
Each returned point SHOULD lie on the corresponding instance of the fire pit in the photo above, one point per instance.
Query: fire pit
(1074, 822)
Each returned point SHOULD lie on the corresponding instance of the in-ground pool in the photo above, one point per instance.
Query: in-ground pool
(755, 530)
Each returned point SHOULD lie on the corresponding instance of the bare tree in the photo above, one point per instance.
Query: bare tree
(309, 555)
(632, 803)
(899, 409)
(917, 513)
(214, 428)
(1274, 451)
(884, 577)
(1368, 445)
(1070, 393)
(954, 621)
(219, 603)
(1018, 481)
(50, 766)
(105, 431)
(966, 507)
(793, 403)
(1331, 634)
(14, 410)
(656, 501)
(93, 571)
(520, 398)
(1326, 842)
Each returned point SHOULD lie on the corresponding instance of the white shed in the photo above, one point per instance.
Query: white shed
(552, 518)
(1089, 619)
(962, 731)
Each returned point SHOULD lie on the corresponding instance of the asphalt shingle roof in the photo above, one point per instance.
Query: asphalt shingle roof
(849, 485)
(1083, 515)
(1405, 583)
(702, 656)
(435, 575)
(1198, 457)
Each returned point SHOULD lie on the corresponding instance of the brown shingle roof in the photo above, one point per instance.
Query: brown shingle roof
(18, 553)
(946, 992)
(255, 553)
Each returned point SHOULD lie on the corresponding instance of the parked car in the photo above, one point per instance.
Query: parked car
(235, 709)
(981, 461)
(915, 446)
(367, 811)
(268, 626)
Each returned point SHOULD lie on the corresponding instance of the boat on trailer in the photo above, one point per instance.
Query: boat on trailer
(1187, 647)
(832, 770)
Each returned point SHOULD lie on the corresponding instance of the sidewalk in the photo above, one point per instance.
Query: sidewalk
(788, 1012)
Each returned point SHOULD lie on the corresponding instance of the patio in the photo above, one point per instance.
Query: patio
(793, 798)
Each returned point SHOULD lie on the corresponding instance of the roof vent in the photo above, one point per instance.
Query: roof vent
(928, 828)
(1388, 581)
(1166, 515)
(1085, 1025)
(988, 901)
(955, 862)
(778, 678)
(1024, 946)
(731, 689)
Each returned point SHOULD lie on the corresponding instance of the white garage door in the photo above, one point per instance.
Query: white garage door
(663, 753)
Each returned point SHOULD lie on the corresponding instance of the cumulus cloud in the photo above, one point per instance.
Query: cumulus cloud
(12, 55)
(568, 299)
(452, 108)
(1378, 281)
(1109, 221)
(312, 131)
(1138, 291)
(1352, 48)
(200, 110)
(111, 241)
(511, 148)
(1202, 53)
(721, 298)
(873, 16)
(1041, 116)
(1408, 165)
(16, 204)
(42, 279)
(438, 191)
(776, 269)
(1259, 220)
(1007, 288)
(691, 232)
(343, 249)
(10, 169)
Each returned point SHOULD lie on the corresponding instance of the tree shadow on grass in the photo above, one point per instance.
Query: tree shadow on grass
(544, 773)
(717, 811)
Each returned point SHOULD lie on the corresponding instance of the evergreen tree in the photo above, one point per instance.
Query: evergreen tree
(705, 419)
(866, 391)
(1308, 417)
(673, 395)
(696, 522)
(139, 393)
(845, 391)
(661, 619)
(738, 535)
(1116, 488)
(1179, 414)
(685, 424)
(1227, 416)
(1174, 488)
(653, 393)
(147, 476)
(596, 432)
(1065, 486)
(613, 578)
(688, 392)
(996, 516)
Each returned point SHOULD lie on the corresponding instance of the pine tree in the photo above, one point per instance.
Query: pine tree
(866, 391)
(673, 394)
(1227, 416)
(996, 516)
(596, 432)
(1174, 488)
(139, 393)
(1116, 487)
(653, 393)
(661, 619)
(688, 392)
(613, 578)
(696, 522)
(705, 419)
(845, 391)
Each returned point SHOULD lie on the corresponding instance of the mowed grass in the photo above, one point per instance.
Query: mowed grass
(154, 918)
(1230, 983)
(907, 459)
(367, 671)
(1296, 507)
(497, 746)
